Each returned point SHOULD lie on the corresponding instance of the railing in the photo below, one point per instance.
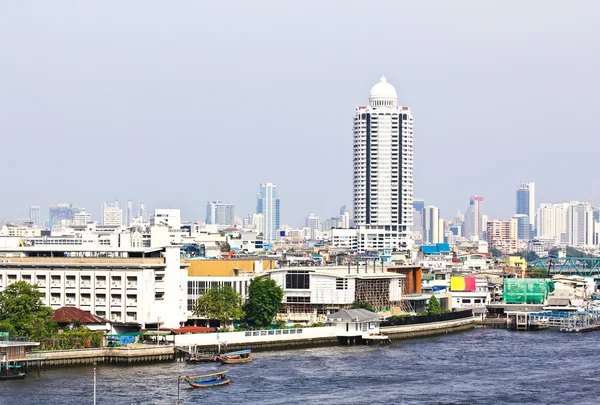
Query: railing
(273, 332)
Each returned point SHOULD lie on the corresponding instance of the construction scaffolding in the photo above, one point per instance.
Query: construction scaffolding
(375, 292)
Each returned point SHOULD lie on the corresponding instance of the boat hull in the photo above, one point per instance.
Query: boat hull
(209, 384)
(225, 360)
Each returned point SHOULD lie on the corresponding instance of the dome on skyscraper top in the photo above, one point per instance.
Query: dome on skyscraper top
(383, 91)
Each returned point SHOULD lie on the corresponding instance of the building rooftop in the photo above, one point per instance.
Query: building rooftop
(344, 272)
(353, 315)
(69, 314)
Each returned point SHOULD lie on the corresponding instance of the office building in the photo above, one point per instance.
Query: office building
(383, 169)
(219, 213)
(433, 226)
(526, 201)
(524, 229)
(312, 222)
(503, 235)
(112, 214)
(580, 225)
(268, 204)
(473, 225)
(34, 215)
(61, 214)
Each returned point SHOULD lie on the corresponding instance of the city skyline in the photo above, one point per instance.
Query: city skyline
(475, 94)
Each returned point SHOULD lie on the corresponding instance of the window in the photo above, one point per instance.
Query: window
(297, 280)
(294, 300)
(341, 283)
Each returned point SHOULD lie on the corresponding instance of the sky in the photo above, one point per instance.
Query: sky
(178, 103)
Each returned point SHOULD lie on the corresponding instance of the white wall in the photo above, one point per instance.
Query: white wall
(256, 336)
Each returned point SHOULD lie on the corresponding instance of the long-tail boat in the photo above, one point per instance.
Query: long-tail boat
(239, 357)
(207, 380)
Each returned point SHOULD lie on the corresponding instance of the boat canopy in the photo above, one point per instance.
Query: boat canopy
(237, 353)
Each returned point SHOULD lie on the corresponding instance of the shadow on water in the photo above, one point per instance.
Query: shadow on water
(483, 366)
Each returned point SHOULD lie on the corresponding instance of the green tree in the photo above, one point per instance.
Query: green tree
(434, 308)
(264, 300)
(223, 304)
(362, 305)
(7, 327)
(528, 255)
(495, 252)
(22, 308)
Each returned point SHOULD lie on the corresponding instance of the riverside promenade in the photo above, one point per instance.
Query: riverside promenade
(257, 340)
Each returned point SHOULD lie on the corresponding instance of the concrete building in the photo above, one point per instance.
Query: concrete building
(112, 214)
(383, 167)
(503, 235)
(130, 287)
(129, 214)
(60, 214)
(34, 215)
(268, 204)
(524, 229)
(580, 225)
(313, 223)
(526, 202)
(344, 239)
(310, 294)
(220, 213)
(551, 221)
(433, 226)
(170, 218)
(81, 218)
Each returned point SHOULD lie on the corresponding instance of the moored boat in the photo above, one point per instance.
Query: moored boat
(239, 357)
(207, 380)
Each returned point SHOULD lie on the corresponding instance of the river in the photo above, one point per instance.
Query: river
(483, 366)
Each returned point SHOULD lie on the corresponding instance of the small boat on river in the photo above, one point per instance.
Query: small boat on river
(239, 357)
(207, 380)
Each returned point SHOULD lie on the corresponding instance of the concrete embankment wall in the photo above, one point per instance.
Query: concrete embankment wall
(255, 340)
(428, 329)
(105, 355)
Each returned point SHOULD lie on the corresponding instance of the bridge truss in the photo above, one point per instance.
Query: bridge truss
(582, 266)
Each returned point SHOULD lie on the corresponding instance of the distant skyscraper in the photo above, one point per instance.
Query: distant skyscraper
(473, 225)
(81, 218)
(59, 213)
(142, 212)
(526, 201)
(433, 228)
(129, 213)
(580, 225)
(383, 166)
(34, 215)
(268, 204)
(112, 215)
(220, 213)
(418, 204)
(313, 223)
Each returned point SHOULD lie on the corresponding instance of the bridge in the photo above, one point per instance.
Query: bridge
(582, 266)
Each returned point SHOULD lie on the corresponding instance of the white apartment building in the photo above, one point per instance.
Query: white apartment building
(127, 286)
(344, 239)
(112, 216)
(313, 224)
(81, 218)
(166, 217)
(383, 166)
(551, 221)
(580, 225)
(433, 226)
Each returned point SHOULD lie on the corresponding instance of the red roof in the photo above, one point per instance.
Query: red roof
(68, 314)
(194, 329)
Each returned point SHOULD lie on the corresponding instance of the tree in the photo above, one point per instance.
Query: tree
(528, 255)
(223, 304)
(264, 300)
(495, 252)
(362, 305)
(434, 308)
(22, 308)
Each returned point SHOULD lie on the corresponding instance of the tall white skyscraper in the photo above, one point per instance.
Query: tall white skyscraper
(580, 225)
(433, 226)
(268, 205)
(34, 215)
(383, 168)
(129, 213)
(313, 223)
(526, 201)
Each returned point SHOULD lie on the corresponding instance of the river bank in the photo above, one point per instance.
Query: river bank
(267, 340)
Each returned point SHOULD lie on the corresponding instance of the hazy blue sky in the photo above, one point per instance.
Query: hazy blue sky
(179, 102)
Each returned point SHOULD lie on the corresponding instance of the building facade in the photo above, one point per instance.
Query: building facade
(526, 201)
(219, 213)
(34, 215)
(383, 164)
(268, 204)
(503, 235)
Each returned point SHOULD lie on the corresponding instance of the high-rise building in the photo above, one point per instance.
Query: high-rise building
(433, 226)
(112, 214)
(34, 215)
(473, 225)
(503, 235)
(81, 218)
(129, 213)
(219, 213)
(418, 204)
(312, 222)
(524, 229)
(580, 225)
(526, 201)
(383, 169)
(268, 204)
(61, 213)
